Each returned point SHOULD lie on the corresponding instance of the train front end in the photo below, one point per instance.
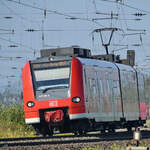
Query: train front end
(52, 94)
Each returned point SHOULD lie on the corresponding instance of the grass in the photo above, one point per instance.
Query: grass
(114, 146)
(105, 147)
(12, 122)
(148, 123)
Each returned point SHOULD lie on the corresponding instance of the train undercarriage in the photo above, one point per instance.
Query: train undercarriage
(49, 126)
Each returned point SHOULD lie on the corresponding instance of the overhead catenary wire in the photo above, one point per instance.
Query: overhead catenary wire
(56, 30)
(18, 15)
(22, 45)
(126, 5)
(54, 11)
(57, 12)
(94, 3)
(39, 8)
(6, 30)
(49, 13)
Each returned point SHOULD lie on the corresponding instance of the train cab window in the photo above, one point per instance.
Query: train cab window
(55, 77)
(51, 80)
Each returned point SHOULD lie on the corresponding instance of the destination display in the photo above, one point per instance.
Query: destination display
(50, 64)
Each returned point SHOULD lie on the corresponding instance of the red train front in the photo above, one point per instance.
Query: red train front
(51, 96)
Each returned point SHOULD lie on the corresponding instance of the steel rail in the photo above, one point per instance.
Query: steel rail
(71, 139)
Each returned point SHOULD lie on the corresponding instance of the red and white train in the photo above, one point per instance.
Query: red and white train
(74, 94)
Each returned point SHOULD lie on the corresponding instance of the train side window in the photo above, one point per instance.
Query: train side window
(108, 80)
(116, 90)
(100, 78)
(109, 87)
(101, 87)
(141, 87)
(92, 88)
(86, 84)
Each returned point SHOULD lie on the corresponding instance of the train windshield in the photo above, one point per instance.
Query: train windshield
(51, 80)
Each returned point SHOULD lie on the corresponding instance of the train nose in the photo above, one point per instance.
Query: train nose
(54, 116)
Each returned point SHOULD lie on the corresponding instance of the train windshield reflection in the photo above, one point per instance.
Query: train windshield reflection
(46, 88)
(52, 78)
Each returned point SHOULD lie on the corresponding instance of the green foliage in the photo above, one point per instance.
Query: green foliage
(117, 147)
(148, 123)
(97, 147)
(12, 122)
(105, 147)
(145, 144)
(12, 113)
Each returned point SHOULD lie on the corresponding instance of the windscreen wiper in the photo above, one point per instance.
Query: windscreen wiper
(55, 87)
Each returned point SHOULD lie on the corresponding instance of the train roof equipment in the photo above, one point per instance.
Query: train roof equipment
(66, 51)
(76, 51)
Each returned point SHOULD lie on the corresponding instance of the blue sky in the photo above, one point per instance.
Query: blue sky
(66, 23)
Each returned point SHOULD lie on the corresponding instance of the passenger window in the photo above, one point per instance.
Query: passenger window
(116, 89)
(100, 87)
(93, 89)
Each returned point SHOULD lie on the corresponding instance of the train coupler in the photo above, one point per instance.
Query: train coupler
(54, 117)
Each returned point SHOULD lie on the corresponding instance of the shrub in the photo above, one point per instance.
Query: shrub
(12, 122)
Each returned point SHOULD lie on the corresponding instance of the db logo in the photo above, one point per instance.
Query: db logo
(53, 104)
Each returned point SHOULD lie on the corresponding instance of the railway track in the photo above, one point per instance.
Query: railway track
(70, 139)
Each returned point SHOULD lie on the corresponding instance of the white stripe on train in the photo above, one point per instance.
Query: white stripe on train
(78, 116)
(32, 120)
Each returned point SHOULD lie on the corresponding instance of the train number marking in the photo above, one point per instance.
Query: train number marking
(53, 104)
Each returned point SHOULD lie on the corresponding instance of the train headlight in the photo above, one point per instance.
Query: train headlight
(76, 99)
(51, 58)
(30, 104)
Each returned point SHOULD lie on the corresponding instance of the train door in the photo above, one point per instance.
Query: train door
(110, 92)
(142, 99)
(85, 82)
(129, 94)
(109, 96)
(114, 92)
(116, 97)
(106, 103)
(91, 91)
(102, 94)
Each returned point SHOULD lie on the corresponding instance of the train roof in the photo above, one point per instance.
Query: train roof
(123, 67)
(96, 62)
(106, 64)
